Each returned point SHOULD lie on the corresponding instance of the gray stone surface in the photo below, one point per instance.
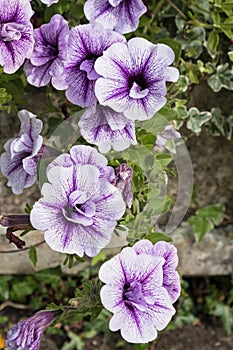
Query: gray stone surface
(212, 256)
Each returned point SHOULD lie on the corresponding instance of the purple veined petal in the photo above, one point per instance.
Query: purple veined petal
(29, 124)
(162, 310)
(63, 160)
(37, 76)
(109, 202)
(106, 128)
(168, 252)
(143, 246)
(111, 272)
(171, 74)
(19, 10)
(18, 179)
(112, 296)
(80, 90)
(13, 53)
(122, 16)
(30, 165)
(135, 328)
(116, 63)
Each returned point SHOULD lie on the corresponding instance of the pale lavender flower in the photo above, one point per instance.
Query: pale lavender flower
(49, 2)
(49, 53)
(86, 43)
(81, 154)
(120, 15)
(123, 182)
(27, 334)
(134, 77)
(171, 280)
(79, 208)
(169, 133)
(134, 293)
(19, 162)
(16, 33)
(106, 128)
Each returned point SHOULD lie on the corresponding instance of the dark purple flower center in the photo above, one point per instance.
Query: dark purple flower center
(138, 86)
(87, 66)
(79, 210)
(133, 295)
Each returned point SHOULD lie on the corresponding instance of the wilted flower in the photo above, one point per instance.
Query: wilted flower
(120, 15)
(19, 162)
(79, 208)
(50, 49)
(171, 280)
(16, 36)
(27, 334)
(86, 43)
(123, 182)
(169, 133)
(134, 77)
(106, 128)
(134, 293)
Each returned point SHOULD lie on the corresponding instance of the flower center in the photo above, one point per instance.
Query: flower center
(138, 86)
(133, 296)
(87, 65)
(11, 31)
(79, 210)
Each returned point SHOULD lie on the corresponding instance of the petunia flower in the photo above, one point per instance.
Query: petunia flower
(120, 15)
(134, 293)
(169, 133)
(79, 208)
(86, 43)
(106, 128)
(19, 162)
(16, 33)
(171, 280)
(49, 53)
(27, 334)
(81, 154)
(134, 77)
(49, 2)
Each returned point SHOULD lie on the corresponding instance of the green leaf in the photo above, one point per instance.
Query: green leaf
(213, 41)
(75, 343)
(200, 226)
(53, 306)
(99, 257)
(230, 54)
(212, 212)
(33, 255)
(197, 119)
(226, 314)
(157, 236)
(222, 79)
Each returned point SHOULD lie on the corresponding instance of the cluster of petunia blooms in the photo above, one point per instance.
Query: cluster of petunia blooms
(117, 82)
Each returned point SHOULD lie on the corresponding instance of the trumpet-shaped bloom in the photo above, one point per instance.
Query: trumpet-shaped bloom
(171, 280)
(86, 43)
(134, 77)
(16, 33)
(106, 128)
(120, 15)
(49, 53)
(79, 208)
(19, 162)
(27, 334)
(134, 293)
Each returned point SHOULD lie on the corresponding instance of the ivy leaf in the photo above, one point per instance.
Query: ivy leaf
(197, 119)
(214, 213)
(222, 79)
(75, 343)
(200, 226)
(226, 314)
(157, 236)
(33, 255)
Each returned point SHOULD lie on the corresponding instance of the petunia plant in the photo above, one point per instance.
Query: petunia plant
(97, 153)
